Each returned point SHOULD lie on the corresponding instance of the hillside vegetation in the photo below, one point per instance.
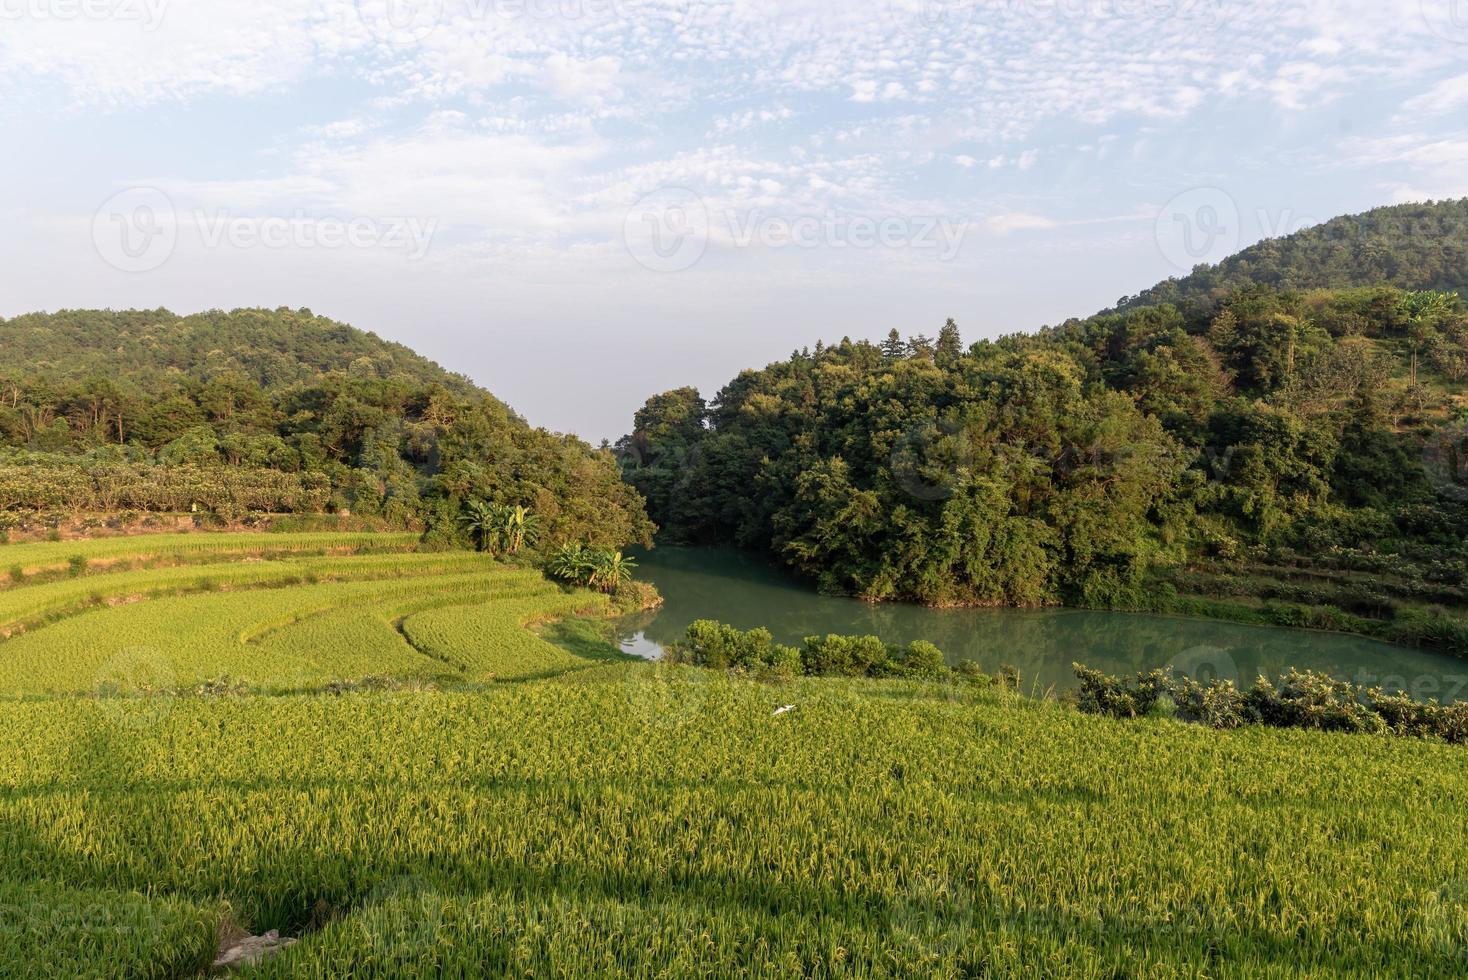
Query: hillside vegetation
(258, 411)
(1289, 456)
(1408, 246)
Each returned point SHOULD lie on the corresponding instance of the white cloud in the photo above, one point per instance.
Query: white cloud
(1448, 96)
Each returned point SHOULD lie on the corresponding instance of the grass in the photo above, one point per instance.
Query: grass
(552, 810)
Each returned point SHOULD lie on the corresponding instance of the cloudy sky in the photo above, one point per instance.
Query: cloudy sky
(581, 202)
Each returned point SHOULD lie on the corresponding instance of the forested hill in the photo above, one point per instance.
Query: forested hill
(1318, 433)
(1409, 246)
(270, 411)
(273, 348)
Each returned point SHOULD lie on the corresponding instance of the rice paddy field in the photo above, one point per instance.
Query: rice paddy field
(365, 747)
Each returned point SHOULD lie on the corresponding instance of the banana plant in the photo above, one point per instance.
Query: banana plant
(482, 522)
(520, 527)
(613, 569)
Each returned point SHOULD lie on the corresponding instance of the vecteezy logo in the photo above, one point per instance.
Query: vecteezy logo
(1205, 664)
(403, 919)
(1445, 918)
(668, 230)
(924, 20)
(1445, 460)
(135, 230)
(400, 22)
(1448, 19)
(135, 687)
(1200, 226)
(932, 461)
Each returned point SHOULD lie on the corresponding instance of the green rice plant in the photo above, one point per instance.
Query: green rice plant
(39, 557)
(660, 821)
(488, 641)
(48, 930)
(21, 608)
(313, 746)
(280, 639)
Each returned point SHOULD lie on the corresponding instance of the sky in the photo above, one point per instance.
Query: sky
(580, 203)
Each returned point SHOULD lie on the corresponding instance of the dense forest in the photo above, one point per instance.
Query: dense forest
(1315, 437)
(275, 411)
(1410, 246)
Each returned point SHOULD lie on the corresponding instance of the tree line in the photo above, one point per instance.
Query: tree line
(279, 411)
(1069, 465)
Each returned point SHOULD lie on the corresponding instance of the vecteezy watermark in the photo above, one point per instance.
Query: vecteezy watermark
(1444, 688)
(669, 230)
(1448, 19)
(402, 918)
(135, 688)
(407, 22)
(833, 229)
(148, 14)
(665, 695)
(400, 22)
(1204, 664)
(1445, 918)
(932, 921)
(411, 236)
(929, 20)
(932, 461)
(137, 230)
(1196, 13)
(549, 9)
(1197, 227)
(1445, 460)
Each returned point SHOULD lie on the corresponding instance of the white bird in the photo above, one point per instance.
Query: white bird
(781, 711)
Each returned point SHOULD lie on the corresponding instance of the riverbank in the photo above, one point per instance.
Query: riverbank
(1238, 644)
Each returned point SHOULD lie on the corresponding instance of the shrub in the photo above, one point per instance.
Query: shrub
(711, 644)
(844, 656)
(1102, 694)
(1218, 705)
(1300, 699)
(970, 671)
(1306, 699)
(923, 661)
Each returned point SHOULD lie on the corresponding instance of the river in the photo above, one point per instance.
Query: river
(744, 591)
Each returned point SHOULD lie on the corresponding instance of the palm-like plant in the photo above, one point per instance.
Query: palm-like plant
(500, 527)
(1424, 311)
(572, 563)
(482, 522)
(612, 570)
(520, 527)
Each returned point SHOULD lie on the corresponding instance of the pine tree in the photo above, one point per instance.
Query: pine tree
(950, 345)
(893, 346)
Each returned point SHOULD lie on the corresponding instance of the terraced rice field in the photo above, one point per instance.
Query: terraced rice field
(324, 609)
(537, 813)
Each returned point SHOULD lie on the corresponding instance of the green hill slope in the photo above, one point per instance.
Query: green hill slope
(1409, 246)
(1308, 444)
(274, 411)
(273, 348)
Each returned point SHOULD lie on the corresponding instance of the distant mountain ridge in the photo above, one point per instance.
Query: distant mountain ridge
(1409, 246)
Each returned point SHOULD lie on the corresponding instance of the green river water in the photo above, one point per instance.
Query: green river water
(744, 591)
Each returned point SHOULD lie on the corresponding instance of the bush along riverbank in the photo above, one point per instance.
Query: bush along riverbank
(1297, 699)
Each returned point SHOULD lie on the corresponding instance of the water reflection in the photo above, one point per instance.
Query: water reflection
(740, 589)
